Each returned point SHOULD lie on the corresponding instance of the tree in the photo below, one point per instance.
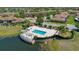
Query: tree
(77, 24)
(39, 20)
(20, 13)
(50, 27)
(45, 25)
(24, 26)
(70, 20)
(61, 28)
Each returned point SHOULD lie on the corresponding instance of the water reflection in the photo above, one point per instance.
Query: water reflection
(16, 44)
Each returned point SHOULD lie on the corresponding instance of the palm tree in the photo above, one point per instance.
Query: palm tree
(45, 26)
(50, 27)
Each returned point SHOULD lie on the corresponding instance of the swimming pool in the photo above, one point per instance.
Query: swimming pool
(39, 32)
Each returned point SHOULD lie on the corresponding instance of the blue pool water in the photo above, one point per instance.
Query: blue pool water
(38, 32)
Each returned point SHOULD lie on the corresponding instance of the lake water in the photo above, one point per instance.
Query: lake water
(16, 44)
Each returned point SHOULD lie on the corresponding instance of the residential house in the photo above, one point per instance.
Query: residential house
(11, 19)
(61, 17)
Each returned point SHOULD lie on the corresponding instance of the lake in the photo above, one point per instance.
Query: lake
(16, 44)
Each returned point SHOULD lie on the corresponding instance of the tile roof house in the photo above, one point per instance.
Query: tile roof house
(61, 17)
(9, 19)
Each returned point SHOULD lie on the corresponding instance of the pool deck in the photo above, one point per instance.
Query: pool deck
(49, 32)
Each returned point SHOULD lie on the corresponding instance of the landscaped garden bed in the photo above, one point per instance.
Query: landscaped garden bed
(66, 35)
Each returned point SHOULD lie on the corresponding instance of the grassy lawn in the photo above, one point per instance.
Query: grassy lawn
(64, 45)
(53, 45)
(70, 20)
(55, 22)
(8, 31)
